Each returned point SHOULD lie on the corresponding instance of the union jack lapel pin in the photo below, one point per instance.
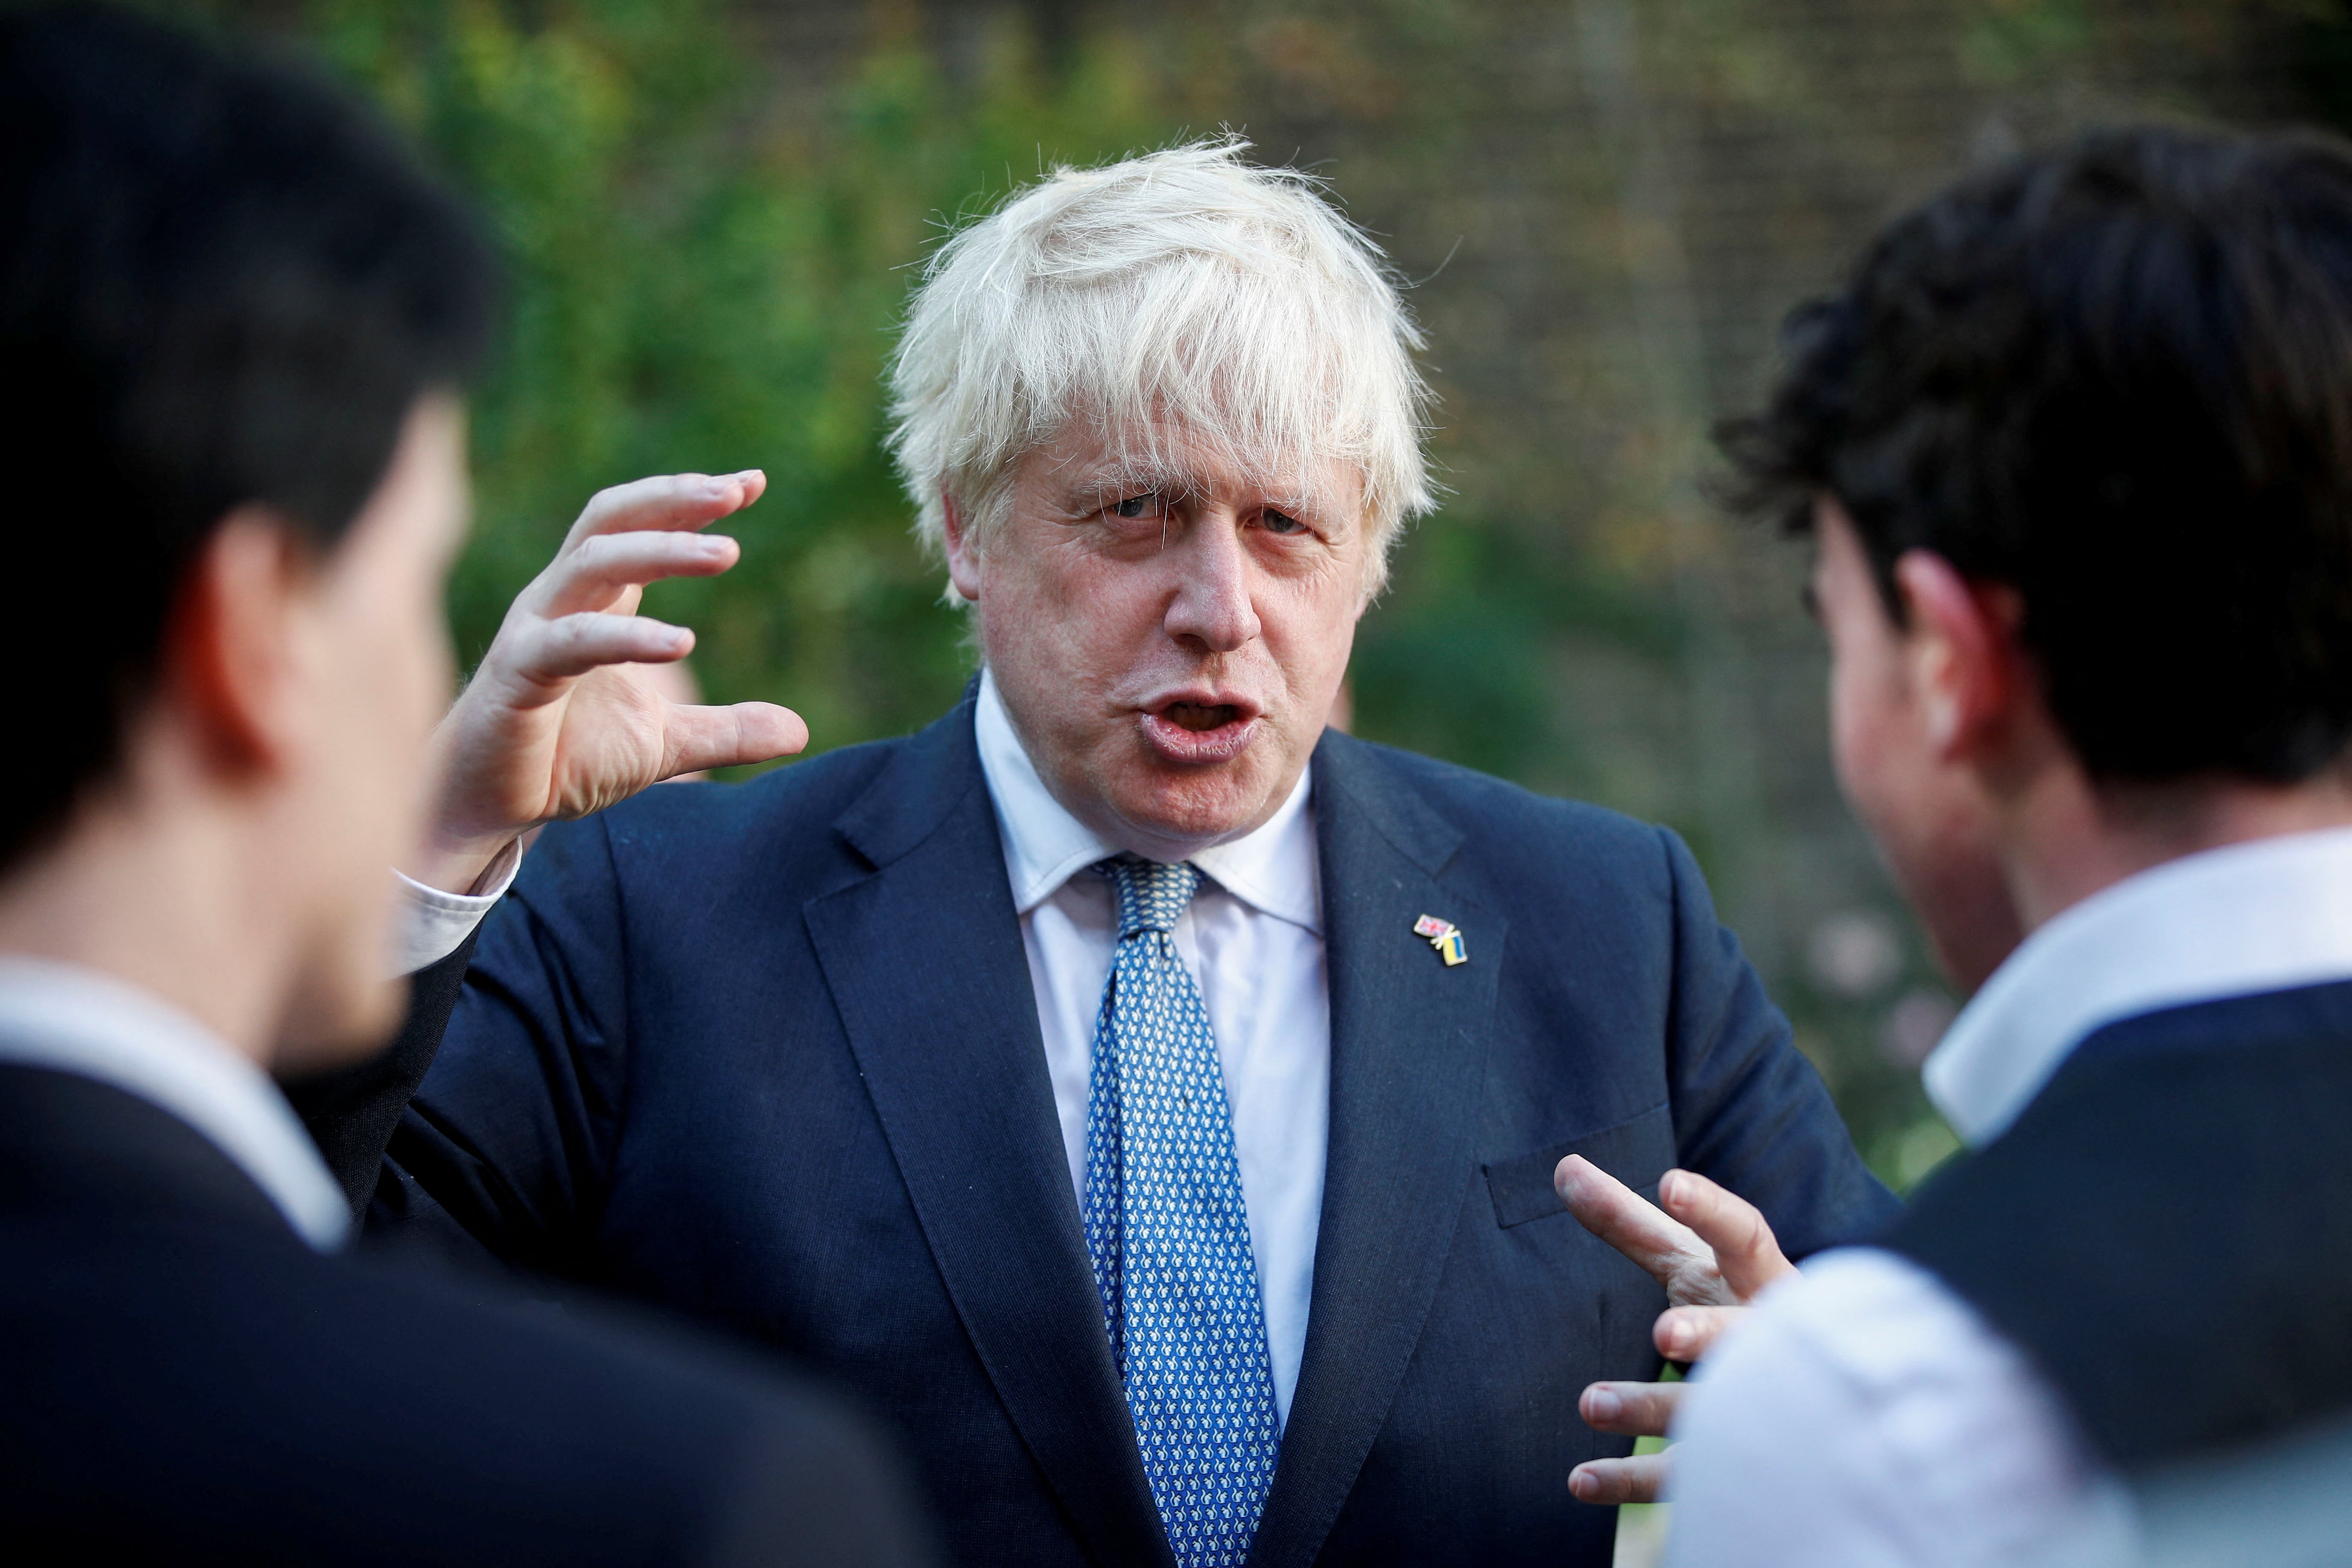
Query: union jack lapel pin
(1444, 936)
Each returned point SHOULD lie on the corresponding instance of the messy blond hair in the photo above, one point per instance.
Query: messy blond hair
(1185, 289)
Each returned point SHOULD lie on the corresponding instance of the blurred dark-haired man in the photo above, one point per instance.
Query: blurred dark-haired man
(235, 317)
(2075, 448)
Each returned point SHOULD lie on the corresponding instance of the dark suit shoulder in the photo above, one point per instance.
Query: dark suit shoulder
(1635, 1007)
(187, 1377)
(248, 1401)
(689, 841)
(1506, 829)
(799, 796)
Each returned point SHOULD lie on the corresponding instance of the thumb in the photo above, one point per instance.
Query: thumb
(699, 738)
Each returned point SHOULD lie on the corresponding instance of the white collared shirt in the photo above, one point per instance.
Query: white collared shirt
(2269, 915)
(1864, 1414)
(77, 1020)
(434, 924)
(1254, 943)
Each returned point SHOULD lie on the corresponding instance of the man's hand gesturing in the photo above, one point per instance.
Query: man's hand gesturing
(1713, 1252)
(559, 721)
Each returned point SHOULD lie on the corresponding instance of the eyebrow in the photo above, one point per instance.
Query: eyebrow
(1098, 472)
(1116, 482)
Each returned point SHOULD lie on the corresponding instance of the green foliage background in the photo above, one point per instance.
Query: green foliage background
(706, 271)
(698, 290)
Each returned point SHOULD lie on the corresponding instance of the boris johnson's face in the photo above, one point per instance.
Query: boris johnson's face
(1168, 647)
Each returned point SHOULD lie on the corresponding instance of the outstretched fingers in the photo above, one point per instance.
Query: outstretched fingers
(700, 738)
(1687, 1333)
(1616, 1214)
(1630, 1409)
(1747, 1253)
(548, 654)
(1637, 1479)
(596, 572)
(668, 501)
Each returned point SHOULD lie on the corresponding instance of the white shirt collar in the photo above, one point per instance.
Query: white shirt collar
(76, 1020)
(2268, 915)
(1272, 869)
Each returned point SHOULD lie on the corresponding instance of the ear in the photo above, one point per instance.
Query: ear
(231, 653)
(963, 551)
(1969, 669)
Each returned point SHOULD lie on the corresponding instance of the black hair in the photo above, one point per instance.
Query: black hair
(222, 281)
(2117, 377)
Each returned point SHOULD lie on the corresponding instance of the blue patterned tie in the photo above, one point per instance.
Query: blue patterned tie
(1169, 1235)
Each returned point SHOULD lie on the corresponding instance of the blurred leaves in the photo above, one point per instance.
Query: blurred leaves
(706, 278)
(2011, 38)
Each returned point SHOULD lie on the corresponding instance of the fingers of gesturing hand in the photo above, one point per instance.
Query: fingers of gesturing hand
(667, 502)
(1630, 1409)
(1686, 1333)
(597, 572)
(546, 654)
(1747, 1253)
(1666, 1249)
(1638, 1479)
(700, 738)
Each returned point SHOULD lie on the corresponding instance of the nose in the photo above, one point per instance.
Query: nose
(1213, 610)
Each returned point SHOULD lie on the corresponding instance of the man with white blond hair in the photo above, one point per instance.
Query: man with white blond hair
(1145, 1095)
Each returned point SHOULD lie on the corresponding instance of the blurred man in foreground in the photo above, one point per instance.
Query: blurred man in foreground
(2075, 446)
(235, 318)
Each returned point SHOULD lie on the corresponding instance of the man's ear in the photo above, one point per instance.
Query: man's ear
(963, 551)
(231, 652)
(1968, 671)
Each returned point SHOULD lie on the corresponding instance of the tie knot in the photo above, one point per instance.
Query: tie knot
(1151, 896)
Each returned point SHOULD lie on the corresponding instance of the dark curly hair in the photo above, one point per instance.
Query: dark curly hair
(2117, 376)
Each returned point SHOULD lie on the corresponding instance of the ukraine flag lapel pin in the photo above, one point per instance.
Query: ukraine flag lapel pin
(1444, 936)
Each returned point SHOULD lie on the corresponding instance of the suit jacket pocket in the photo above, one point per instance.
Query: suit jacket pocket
(1636, 1152)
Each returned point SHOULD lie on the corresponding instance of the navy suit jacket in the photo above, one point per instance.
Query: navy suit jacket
(184, 1380)
(768, 1053)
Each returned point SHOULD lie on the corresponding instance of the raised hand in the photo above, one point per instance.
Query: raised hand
(561, 720)
(1713, 1252)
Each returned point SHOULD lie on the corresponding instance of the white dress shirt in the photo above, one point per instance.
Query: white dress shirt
(1254, 943)
(1864, 1414)
(434, 923)
(76, 1020)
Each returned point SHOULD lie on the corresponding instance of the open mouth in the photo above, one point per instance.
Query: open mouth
(1190, 730)
(1200, 718)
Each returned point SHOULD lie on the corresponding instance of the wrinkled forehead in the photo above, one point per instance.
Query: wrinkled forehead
(1095, 459)
(1194, 367)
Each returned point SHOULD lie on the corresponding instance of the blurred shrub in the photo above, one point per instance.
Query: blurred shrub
(706, 278)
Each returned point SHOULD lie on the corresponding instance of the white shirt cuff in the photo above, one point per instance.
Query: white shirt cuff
(434, 923)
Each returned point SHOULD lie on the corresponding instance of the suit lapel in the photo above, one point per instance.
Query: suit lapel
(1408, 1069)
(925, 962)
